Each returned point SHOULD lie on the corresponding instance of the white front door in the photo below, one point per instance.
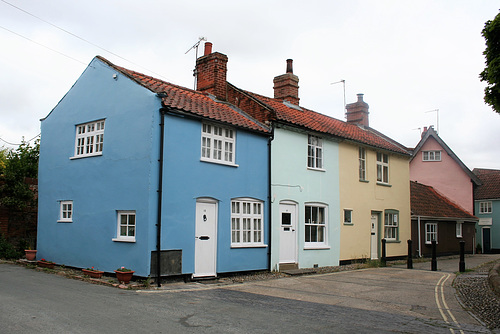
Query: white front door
(288, 239)
(205, 253)
(374, 237)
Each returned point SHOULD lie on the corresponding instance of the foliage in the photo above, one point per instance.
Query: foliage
(123, 269)
(7, 250)
(491, 73)
(20, 164)
(3, 159)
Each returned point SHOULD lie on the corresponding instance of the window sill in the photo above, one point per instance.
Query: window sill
(317, 169)
(85, 156)
(392, 241)
(364, 181)
(230, 164)
(64, 221)
(123, 240)
(248, 246)
(348, 224)
(316, 247)
(383, 184)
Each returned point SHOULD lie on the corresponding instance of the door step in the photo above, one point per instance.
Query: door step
(294, 272)
(288, 266)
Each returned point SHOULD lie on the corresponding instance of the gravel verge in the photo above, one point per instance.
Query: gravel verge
(475, 293)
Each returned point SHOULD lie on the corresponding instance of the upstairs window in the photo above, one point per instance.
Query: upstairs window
(247, 219)
(217, 144)
(347, 216)
(382, 167)
(431, 155)
(485, 207)
(315, 152)
(362, 164)
(89, 139)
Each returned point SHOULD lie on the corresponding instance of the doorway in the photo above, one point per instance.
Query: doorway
(288, 233)
(205, 253)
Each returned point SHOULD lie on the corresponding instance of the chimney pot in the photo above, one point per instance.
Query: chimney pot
(360, 97)
(289, 66)
(208, 48)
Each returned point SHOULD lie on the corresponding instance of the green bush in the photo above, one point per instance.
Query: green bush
(7, 250)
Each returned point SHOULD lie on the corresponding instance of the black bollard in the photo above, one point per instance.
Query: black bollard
(434, 266)
(383, 261)
(409, 262)
(461, 264)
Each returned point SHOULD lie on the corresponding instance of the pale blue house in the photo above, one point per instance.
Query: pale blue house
(487, 209)
(131, 165)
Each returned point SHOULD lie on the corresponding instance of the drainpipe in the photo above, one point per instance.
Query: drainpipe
(160, 189)
(419, 237)
(269, 196)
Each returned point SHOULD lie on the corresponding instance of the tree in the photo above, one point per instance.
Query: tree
(20, 164)
(491, 73)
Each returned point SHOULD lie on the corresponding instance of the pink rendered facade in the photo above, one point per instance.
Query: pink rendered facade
(446, 175)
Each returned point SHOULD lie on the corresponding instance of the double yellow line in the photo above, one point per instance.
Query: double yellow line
(444, 309)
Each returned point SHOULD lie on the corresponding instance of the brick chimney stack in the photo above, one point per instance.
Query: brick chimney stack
(286, 86)
(357, 112)
(211, 71)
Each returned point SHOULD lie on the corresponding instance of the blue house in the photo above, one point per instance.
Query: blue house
(487, 209)
(132, 167)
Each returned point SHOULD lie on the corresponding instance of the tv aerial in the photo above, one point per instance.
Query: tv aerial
(195, 47)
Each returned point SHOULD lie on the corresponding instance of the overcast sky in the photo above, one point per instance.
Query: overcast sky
(407, 57)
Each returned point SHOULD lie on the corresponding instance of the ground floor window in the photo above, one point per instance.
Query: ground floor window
(459, 230)
(247, 219)
(431, 231)
(315, 225)
(391, 225)
(126, 226)
(66, 211)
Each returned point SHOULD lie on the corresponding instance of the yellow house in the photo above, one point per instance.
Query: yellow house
(374, 193)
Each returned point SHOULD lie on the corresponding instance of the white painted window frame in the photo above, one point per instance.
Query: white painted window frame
(65, 212)
(459, 229)
(391, 223)
(485, 207)
(89, 139)
(247, 223)
(320, 224)
(362, 163)
(431, 155)
(315, 153)
(126, 236)
(382, 168)
(431, 230)
(218, 144)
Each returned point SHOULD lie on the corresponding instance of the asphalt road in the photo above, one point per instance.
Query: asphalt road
(378, 300)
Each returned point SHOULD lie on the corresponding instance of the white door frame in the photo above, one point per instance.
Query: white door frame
(291, 256)
(205, 249)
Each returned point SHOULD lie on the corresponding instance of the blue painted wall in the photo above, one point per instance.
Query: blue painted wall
(123, 178)
(488, 220)
(186, 178)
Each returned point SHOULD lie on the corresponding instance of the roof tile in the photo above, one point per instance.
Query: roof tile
(490, 188)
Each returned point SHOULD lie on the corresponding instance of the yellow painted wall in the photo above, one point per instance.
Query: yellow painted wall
(367, 197)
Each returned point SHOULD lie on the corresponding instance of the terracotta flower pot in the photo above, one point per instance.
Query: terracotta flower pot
(30, 254)
(93, 273)
(124, 276)
(45, 264)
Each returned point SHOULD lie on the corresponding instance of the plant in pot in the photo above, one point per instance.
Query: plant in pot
(46, 264)
(124, 275)
(92, 272)
(29, 251)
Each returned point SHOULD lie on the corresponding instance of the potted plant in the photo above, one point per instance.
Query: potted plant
(479, 249)
(46, 264)
(92, 272)
(30, 254)
(124, 275)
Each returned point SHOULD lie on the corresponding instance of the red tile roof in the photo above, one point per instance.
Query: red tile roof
(191, 101)
(328, 125)
(490, 188)
(427, 202)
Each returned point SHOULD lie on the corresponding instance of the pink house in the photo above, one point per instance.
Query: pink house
(433, 163)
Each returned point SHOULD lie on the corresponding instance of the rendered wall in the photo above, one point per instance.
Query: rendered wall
(484, 222)
(123, 178)
(291, 180)
(367, 197)
(186, 178)
(446, 176)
